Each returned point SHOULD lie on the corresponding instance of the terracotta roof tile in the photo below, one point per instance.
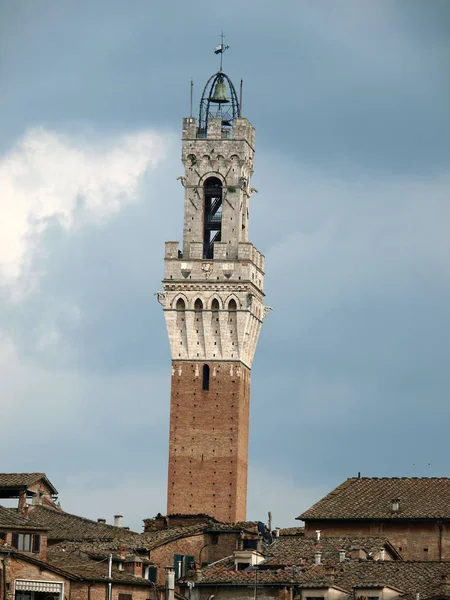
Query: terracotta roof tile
(411, 578)
(371, 498)
(292, 550)
(153, 539)
(65, 526)
(298, 531)
(18, 480)
(80, 565)
(10, 518)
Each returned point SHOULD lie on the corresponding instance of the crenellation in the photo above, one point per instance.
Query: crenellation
(171, 250)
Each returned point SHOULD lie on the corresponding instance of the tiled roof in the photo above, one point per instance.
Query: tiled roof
(153, 539)
(65, 526)
(248, 526)
(410, 577)
(80, 565)
(292, 531)
(100, 549)
(10, 518)
(18, 480)
(371, 498)
(292, 550)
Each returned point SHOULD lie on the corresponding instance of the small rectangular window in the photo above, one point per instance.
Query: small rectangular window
(125, 597)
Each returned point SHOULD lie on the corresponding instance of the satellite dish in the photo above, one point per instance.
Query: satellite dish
(268, 539)
(261, 528)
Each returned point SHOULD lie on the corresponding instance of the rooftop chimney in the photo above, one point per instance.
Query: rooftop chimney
(318, 558)
(318, 535)
(170, 583)
(101, 520)
(395, 504)
(118, 520)
(341, 555)
(276, 532)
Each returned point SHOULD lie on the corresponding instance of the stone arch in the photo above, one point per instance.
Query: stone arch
(214, 299)
(179, 297)
(221, 161)
(232, 297)
(198, 304)
(235, 161)
(191, 160)
(209, 174)
(206, 161)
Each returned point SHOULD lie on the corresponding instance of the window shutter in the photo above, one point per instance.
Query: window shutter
(15, 540)
(188, 561)
(36, 543)
(177, 559)
(153, 574)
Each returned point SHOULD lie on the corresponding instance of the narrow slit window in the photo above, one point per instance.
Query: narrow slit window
(206, 377)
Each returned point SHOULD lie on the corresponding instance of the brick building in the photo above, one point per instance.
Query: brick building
(413, 513)
(32, 488)
(349, 580)
(213, 307)
(34, 566)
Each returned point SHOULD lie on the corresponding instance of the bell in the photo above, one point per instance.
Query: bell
(220, 93)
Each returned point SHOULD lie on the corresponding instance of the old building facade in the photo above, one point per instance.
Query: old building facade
(412, 512)
(213, 307)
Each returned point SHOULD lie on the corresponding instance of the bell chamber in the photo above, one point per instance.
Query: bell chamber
(219, 99)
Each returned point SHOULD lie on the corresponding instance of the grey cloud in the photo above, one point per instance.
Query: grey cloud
(339, 84)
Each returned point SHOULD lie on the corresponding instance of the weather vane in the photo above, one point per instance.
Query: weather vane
(220, 49)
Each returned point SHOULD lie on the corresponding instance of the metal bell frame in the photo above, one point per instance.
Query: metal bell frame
(226, 111)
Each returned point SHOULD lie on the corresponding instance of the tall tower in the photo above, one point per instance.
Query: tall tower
(213, 306)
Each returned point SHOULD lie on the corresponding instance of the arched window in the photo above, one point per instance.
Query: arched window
(215, 305)
(205, 385)
(232, 304)
(180, 304)
(212, 215)
(198, 305)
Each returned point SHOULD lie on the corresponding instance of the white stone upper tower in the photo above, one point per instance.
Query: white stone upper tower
(217, 263)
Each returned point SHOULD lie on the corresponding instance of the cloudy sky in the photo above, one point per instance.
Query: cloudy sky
(350, 99)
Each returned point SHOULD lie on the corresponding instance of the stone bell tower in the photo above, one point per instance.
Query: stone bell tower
(213, 306)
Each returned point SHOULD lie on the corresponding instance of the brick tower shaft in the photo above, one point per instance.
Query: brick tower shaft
(209, 441)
